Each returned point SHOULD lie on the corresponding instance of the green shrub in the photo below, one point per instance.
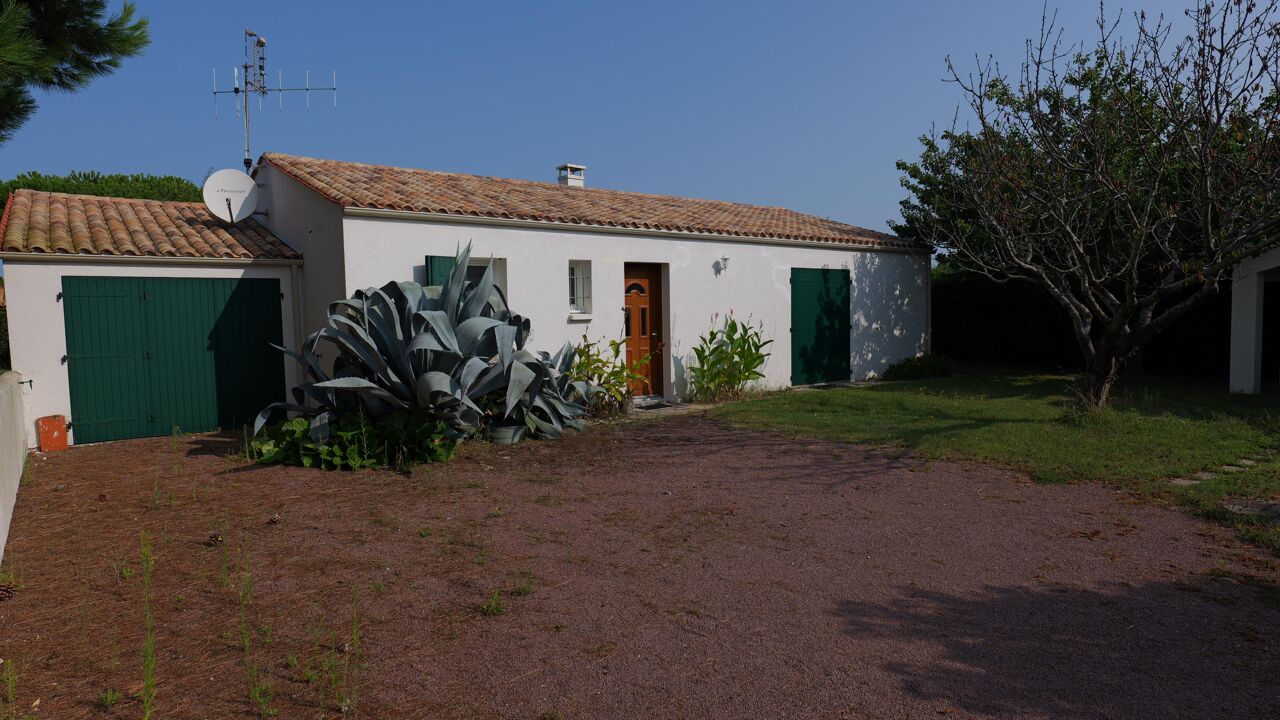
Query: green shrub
(607, 374)
(450, 358)
(726, 359)
(398, 439)
(920, 367)
(149, 187)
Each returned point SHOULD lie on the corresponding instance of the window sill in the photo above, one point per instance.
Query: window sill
(578, 317)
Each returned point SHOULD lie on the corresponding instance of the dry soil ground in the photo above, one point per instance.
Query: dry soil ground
(672, 569)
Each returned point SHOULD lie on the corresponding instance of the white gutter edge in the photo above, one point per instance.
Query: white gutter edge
(612, 230)
(17, 257)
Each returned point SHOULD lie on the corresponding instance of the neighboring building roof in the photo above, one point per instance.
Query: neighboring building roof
(358, 185)
(58, 223)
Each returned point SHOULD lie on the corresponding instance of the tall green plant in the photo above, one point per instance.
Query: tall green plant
(452, 355)
(607, 374)
(726, 360)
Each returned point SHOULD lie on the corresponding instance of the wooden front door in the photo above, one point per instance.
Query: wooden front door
(642, 324)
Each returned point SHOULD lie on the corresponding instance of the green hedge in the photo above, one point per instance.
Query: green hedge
(150, 187)
(978, 320)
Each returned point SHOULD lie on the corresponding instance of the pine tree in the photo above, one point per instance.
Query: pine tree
(59, 45)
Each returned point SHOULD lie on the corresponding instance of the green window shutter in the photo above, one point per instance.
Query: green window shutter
(438, 269)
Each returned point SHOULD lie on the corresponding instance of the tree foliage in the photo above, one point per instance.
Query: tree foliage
(150, 187)
(1126, 179)
(59, 45)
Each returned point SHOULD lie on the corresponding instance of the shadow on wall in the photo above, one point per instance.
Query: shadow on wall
(1147, 651)
(826, 358)
(889, 311)
(248, 374)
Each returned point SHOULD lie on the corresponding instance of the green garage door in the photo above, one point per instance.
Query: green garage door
(148, 355)
(819, 325)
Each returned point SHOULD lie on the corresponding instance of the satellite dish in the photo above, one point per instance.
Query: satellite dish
(231, 195)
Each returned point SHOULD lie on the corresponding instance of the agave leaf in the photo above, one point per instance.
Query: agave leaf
(451, 293)
(478, 299)
(505, 337)
(364, 387)
(307, 360)
(439, 323)
(276, 409)
(472, 330)
(492, 379)
(320, 427)
(470, 371)
(521, 377)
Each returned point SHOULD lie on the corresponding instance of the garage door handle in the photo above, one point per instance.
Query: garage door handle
(147, 354)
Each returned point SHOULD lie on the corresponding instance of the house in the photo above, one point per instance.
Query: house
(1255, 317)
(132, 317)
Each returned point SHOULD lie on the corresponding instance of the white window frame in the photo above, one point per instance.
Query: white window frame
(579, 287)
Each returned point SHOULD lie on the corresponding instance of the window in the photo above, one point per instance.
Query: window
(476, 268)
(580, 287)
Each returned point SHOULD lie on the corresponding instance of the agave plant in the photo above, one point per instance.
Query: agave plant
(454, 352)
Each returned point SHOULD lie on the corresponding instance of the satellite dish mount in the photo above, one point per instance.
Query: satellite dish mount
(231, 195)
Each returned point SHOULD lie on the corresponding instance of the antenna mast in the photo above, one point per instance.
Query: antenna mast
(251, 79)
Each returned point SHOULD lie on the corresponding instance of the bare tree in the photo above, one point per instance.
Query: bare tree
(1127, 179)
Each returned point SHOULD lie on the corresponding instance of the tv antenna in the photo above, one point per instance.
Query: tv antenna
(251, 79)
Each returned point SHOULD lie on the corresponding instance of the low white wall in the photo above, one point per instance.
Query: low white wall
(889, 297)
(37, 335)
(13, 449)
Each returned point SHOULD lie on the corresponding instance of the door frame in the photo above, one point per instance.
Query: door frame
(656, 274)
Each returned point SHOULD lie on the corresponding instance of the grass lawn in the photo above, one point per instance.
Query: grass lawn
(1155, 429)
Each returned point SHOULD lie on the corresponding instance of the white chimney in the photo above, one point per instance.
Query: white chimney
(571, 175)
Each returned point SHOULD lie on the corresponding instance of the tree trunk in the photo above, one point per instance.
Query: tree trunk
(1095, 384)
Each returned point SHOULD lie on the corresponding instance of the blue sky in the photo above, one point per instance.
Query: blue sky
(801, 104)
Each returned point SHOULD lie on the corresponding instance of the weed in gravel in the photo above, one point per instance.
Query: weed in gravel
(149, 638)
(551, 715)
(424, 532)
(340, 670)
(9, 702)
(11, 576)
(523, 585)
(257, 684)
(109, 698)
(493, 606)
(121, 570)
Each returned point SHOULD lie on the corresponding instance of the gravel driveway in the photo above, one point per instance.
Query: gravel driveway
(669, 569)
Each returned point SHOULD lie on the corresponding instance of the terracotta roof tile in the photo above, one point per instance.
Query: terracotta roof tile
(359, 185)
(58, 223)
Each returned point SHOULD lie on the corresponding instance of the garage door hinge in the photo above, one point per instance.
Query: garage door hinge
(58, 298)
(70, 424)
(64, 359)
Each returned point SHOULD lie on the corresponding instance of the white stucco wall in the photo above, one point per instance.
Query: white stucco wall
(37, 336)
(311, 225)
(890, 293)
(1248, 285)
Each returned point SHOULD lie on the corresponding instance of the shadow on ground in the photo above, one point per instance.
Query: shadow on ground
(1155, 650)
